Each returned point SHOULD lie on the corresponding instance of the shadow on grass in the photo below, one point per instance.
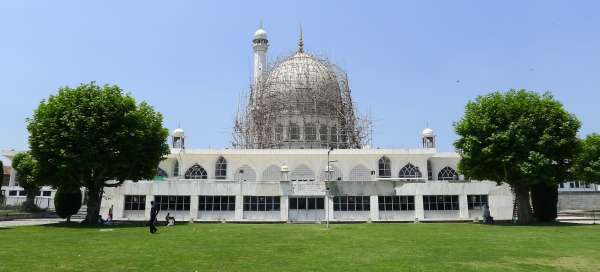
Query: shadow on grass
(537, 224)
(117, 225)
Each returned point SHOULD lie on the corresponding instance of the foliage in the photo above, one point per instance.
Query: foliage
(544, 198)
(588, 162)
(26, 168)
(95, 136)
(518, 137)
(67, 202)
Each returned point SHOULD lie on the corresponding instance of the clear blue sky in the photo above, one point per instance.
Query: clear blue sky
(409, 62)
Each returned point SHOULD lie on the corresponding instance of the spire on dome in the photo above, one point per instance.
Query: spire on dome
(301, 42)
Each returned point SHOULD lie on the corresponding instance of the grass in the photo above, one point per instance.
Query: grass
(289, 247)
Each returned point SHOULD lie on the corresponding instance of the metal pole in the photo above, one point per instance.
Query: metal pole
(327, 188)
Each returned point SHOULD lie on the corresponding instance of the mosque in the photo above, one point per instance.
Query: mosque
(301, 153)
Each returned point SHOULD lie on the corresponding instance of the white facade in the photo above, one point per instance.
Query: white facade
(257, 174)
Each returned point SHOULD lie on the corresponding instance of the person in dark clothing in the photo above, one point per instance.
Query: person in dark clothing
(153, 214)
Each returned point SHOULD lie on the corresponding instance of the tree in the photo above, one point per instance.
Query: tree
(94, 137)
(67, 202)
(588, 161)
(544, 198)
(27, 176)
(520, 138)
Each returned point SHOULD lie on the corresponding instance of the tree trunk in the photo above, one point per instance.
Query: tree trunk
(29, 205)
(93, 204)
(523, 203)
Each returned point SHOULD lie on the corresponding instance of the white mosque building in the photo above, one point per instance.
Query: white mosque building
(300, 154)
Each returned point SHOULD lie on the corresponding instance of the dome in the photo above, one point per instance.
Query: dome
(427, 132)
(178, 132)
(300, 80)
(260, 34)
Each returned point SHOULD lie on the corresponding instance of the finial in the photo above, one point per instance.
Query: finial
(261, 24)
(301, 43)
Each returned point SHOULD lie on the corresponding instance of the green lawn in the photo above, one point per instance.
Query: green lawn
(289, 247)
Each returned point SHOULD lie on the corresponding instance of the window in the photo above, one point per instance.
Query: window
(562, 185)
(22, 193)
(429, 170)
(396, 203)
(310, 132)
(221, 168)
(477, 201)
(440, 202)
(13, 192)
(261, 203)
(336, 173)
(360, 173)
(272, 173)
(279, 132)
(176, 169)
(447, 173)
(410, 171)
(323, 133)
(302, 173)
(216, 203)
(161, 173)
(46, 193)
(351, 203)
(135, 202)
(172, 202)
(333, 135)
(196, 172)
(385, 167)
(571, 185)
(294, 132)
(307, 203)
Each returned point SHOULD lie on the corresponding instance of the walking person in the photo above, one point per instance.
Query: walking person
(153, 214)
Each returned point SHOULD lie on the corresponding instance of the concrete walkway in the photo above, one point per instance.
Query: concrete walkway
(31, 222)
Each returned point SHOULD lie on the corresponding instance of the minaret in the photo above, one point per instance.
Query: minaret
(428, 138)
(260, 44)
(178, 138)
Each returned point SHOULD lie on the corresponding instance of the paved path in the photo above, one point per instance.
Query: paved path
(30, 222)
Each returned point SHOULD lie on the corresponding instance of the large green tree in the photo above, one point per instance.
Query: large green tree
(94, 137)
(588, 161)
(26, 168)
(517, 137)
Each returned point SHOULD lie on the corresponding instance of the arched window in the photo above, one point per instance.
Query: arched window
(161, 173)
(302, 173)
(294, 132)
(360, 173)
(221, 168)
(410, 171)
(272, 173)
(196, 172)
(323, 133)
(447, 173)
(310, 132)
(176, 169)
(385, 167)
(245, 173)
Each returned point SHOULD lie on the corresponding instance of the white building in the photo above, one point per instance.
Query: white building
(301, 154)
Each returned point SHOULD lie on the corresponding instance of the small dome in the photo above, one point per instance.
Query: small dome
(178, 132)
(260, 34)
(427, 132)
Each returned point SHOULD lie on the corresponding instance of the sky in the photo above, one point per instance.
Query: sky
(410, 63)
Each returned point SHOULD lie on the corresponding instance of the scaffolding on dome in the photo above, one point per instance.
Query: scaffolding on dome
(302, 101)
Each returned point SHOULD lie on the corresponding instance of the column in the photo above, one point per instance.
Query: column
(239, 207)
(329, 207)
(463, 205)
(193, 207)
(284, 207)
(374, 208)
(419, 212)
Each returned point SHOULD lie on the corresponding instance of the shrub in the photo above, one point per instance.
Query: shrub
(67, 202)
